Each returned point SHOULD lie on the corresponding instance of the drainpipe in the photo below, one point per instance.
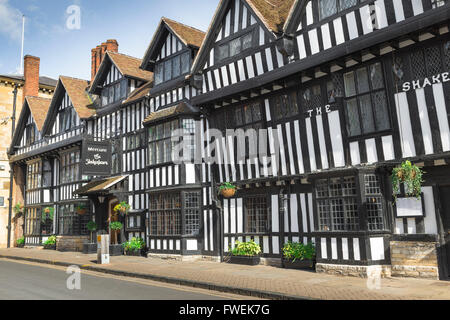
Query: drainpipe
(11, 173)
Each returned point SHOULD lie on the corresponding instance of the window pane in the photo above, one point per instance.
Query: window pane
(247, 41)
(117, 92)
(123, 88)
(447, 55)
(433, 58)
(176, 69)
(159, 73)
(366, 113)
(418, 65)
(111, 94)
(353, 126)
(294, 104)
(327, 8)
(376, 76)
(223, 52)
(105, 97)
(345, 4)
(349, 83)
(235, 47)
(238, 116)
(248, 114)
(256, 111)
(362, 80)
(381, 111)
(167, 70)
(185, 63)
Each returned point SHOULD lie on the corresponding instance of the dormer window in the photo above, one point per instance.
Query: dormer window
(328, 8)
(234, 47)
(114, 92)
(172, 67)
(31, 132)
(67, 119)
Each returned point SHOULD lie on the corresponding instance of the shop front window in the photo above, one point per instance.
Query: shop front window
(257, 216)
(165, 215)
(70, 221)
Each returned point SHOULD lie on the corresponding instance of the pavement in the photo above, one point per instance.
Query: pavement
(256, 281)
(22, 280)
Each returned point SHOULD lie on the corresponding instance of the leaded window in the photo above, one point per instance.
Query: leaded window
(234, 47)
(284, 106)
(365, 101)
(328, 8)
(192, 212)
(374, 202)
(31, 131)
(32, 221)
(161, 146)
(165, 215)
(70, 222)
(70, 164)
(172, 67)
(337, 204)
(34, 175)
(257, 218)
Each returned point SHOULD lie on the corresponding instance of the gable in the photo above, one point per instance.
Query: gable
(170, 44)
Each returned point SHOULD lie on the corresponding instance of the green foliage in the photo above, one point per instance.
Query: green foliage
(91, 226)
(134, 244)
(246, 249)
(227, 185)
(48, 213)
(298, 251)
(115, 225)
(411, 176)
(50, 241)
(20, 241)
(18, 208)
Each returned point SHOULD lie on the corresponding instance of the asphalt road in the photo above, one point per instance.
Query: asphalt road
(28, 281)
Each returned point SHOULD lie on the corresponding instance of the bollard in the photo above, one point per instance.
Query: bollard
(103, 249)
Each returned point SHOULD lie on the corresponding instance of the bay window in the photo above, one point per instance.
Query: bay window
(70, 222)
(172, 67)
(70, 163)
(165, 215)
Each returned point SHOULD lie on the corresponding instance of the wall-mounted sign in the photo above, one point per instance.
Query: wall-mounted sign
(418, 84)
(96, 158)
(322, 110)
(409, 207)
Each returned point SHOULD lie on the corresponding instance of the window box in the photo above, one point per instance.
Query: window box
(299, 264)
(50, 246)
(134, 253)
(89, 248)
(245, 260)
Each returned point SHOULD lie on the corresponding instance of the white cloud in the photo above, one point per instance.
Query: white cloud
(10, 21)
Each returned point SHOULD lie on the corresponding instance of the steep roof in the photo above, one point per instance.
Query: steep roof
(129, 66)
(189, 35)
(76, 89)
(99, 186)
(38, 108)
(273, 13)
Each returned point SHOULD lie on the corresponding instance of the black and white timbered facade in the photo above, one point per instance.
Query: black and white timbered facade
(339, 91)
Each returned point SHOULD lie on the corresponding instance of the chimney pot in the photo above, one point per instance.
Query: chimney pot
(98, 53)
(31, 76)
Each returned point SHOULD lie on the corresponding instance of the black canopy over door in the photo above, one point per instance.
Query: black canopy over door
(445, 212)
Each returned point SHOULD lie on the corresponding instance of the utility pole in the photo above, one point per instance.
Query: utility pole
(11, 173)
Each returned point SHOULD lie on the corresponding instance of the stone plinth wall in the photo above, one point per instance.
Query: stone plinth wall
(71, 243)
(354, 271)
(414, 259)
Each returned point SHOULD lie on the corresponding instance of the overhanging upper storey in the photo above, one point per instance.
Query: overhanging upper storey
(172, 50)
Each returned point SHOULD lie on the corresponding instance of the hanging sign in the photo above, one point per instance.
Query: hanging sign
(96, 158)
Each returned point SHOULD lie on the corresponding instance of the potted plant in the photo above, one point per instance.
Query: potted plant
(227, 189)
(246, 253)
(134, 247)
(18, 209)
(20, 243)
(411, 176)
(48, 213)
(115, 249)
(50, 244)
(81, 209)
(297, 255)
(122, 208)
(91, 247)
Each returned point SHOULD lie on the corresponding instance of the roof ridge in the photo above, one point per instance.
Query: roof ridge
(73, 78)
(123, 54)
(185, 25)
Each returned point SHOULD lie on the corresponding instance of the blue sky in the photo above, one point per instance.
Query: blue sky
(68, 52)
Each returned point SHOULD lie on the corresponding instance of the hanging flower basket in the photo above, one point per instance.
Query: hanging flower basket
(48, 213)
(227, 190)
(122, 207)
(411, 176)
(81, 209)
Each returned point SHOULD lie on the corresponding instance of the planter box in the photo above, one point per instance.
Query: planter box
(89, 248)
(299, 264)
(115, 250)
(20, 245)
(137, 253)
(247, 260)
(50, 246)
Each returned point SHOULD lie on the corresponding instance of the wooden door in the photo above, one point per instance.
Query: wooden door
(445, 212)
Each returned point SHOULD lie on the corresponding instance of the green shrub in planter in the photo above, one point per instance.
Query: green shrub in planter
(135, 244)
(298, 251)
(20, 242)
(50, 243)
(249, 249)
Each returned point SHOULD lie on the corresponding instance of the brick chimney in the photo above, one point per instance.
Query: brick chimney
(98, 53)
(31, 76)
